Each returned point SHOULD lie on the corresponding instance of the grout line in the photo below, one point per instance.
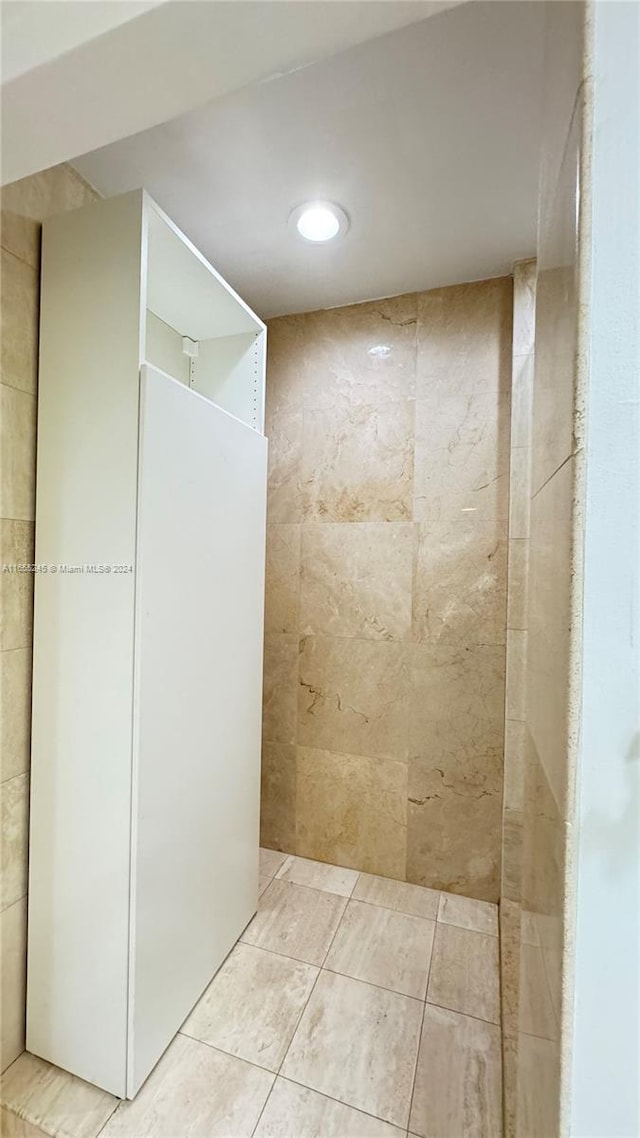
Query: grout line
(467, 1015)
(372, 984)
(312, 888)
(415, 1066)
(340, 1102)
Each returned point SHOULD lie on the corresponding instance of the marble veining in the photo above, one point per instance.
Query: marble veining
(348, 1047)
(388, 509)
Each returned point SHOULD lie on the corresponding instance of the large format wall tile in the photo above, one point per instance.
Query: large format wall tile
(387, 561)
(457, 702)
(550, 583)
(459, 594)
(18, 442)
(462, 457)
(360, 354)
(19, 295)
(25, 204)
(15, 700)
(357, 464)
(13, 969)
(464, 338)
(279, 713)
(557, 316)
(455, 770)
(16, 589)
(15, 839)
(353, 696)
(278, 796)
(352, 810)
(284, 490)
(282, 578)
(453, 826)
(356, 580)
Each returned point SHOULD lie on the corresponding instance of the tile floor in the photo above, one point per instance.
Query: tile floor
(352, 1007)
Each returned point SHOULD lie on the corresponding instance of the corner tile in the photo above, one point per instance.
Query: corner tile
(18, 418)
(15, 839)
(278, 796)
(13, 947)
(352, 810)
(15, 722)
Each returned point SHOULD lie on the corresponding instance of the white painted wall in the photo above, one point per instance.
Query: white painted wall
(605, 1078)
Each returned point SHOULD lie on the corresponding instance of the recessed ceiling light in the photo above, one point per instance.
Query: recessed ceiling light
(319, 221)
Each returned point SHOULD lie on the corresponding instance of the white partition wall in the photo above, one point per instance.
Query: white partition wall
(150, 519)
(197, 720)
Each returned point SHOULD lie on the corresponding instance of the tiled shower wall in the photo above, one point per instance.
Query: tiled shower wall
(524, 294)
(537, 907)
(24, 205)
(388, 501)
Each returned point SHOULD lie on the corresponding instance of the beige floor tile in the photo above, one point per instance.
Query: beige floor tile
(262, 884)
(52, 1099)
(317, 875)
(251, 1008)
(358, 1044)
(194, 1092)
(295, 921)
(271, 861)
(464, 973)
(398, 895)
(467, 913)
(390, 949)
(458, 1078)
(297, 1112)
(13, 1127)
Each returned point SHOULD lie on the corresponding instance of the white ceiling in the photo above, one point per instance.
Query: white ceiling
(427, 136)
(36, 32)
(73, 81)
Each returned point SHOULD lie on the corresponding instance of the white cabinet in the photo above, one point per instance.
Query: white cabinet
(150, 519)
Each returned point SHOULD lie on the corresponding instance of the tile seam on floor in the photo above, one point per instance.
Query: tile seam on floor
(221, 1051)
(313, 888)
(424, 1012)
(372, 984)
(319, 889)
(322, 968)
(470, 1015)
(340, 1102)
(390, 909)
(295, 1030)
(415, 1066)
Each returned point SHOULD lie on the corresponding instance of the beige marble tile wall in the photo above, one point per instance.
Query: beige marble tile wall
(524, 294)
(386, 585)
(536, 871)
(24, 205)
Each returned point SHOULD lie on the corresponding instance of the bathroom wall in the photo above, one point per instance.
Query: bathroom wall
(544, 654)
(524, 292)
(386, 585)
(24, 205)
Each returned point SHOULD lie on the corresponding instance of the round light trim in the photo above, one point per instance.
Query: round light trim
(318, 222)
